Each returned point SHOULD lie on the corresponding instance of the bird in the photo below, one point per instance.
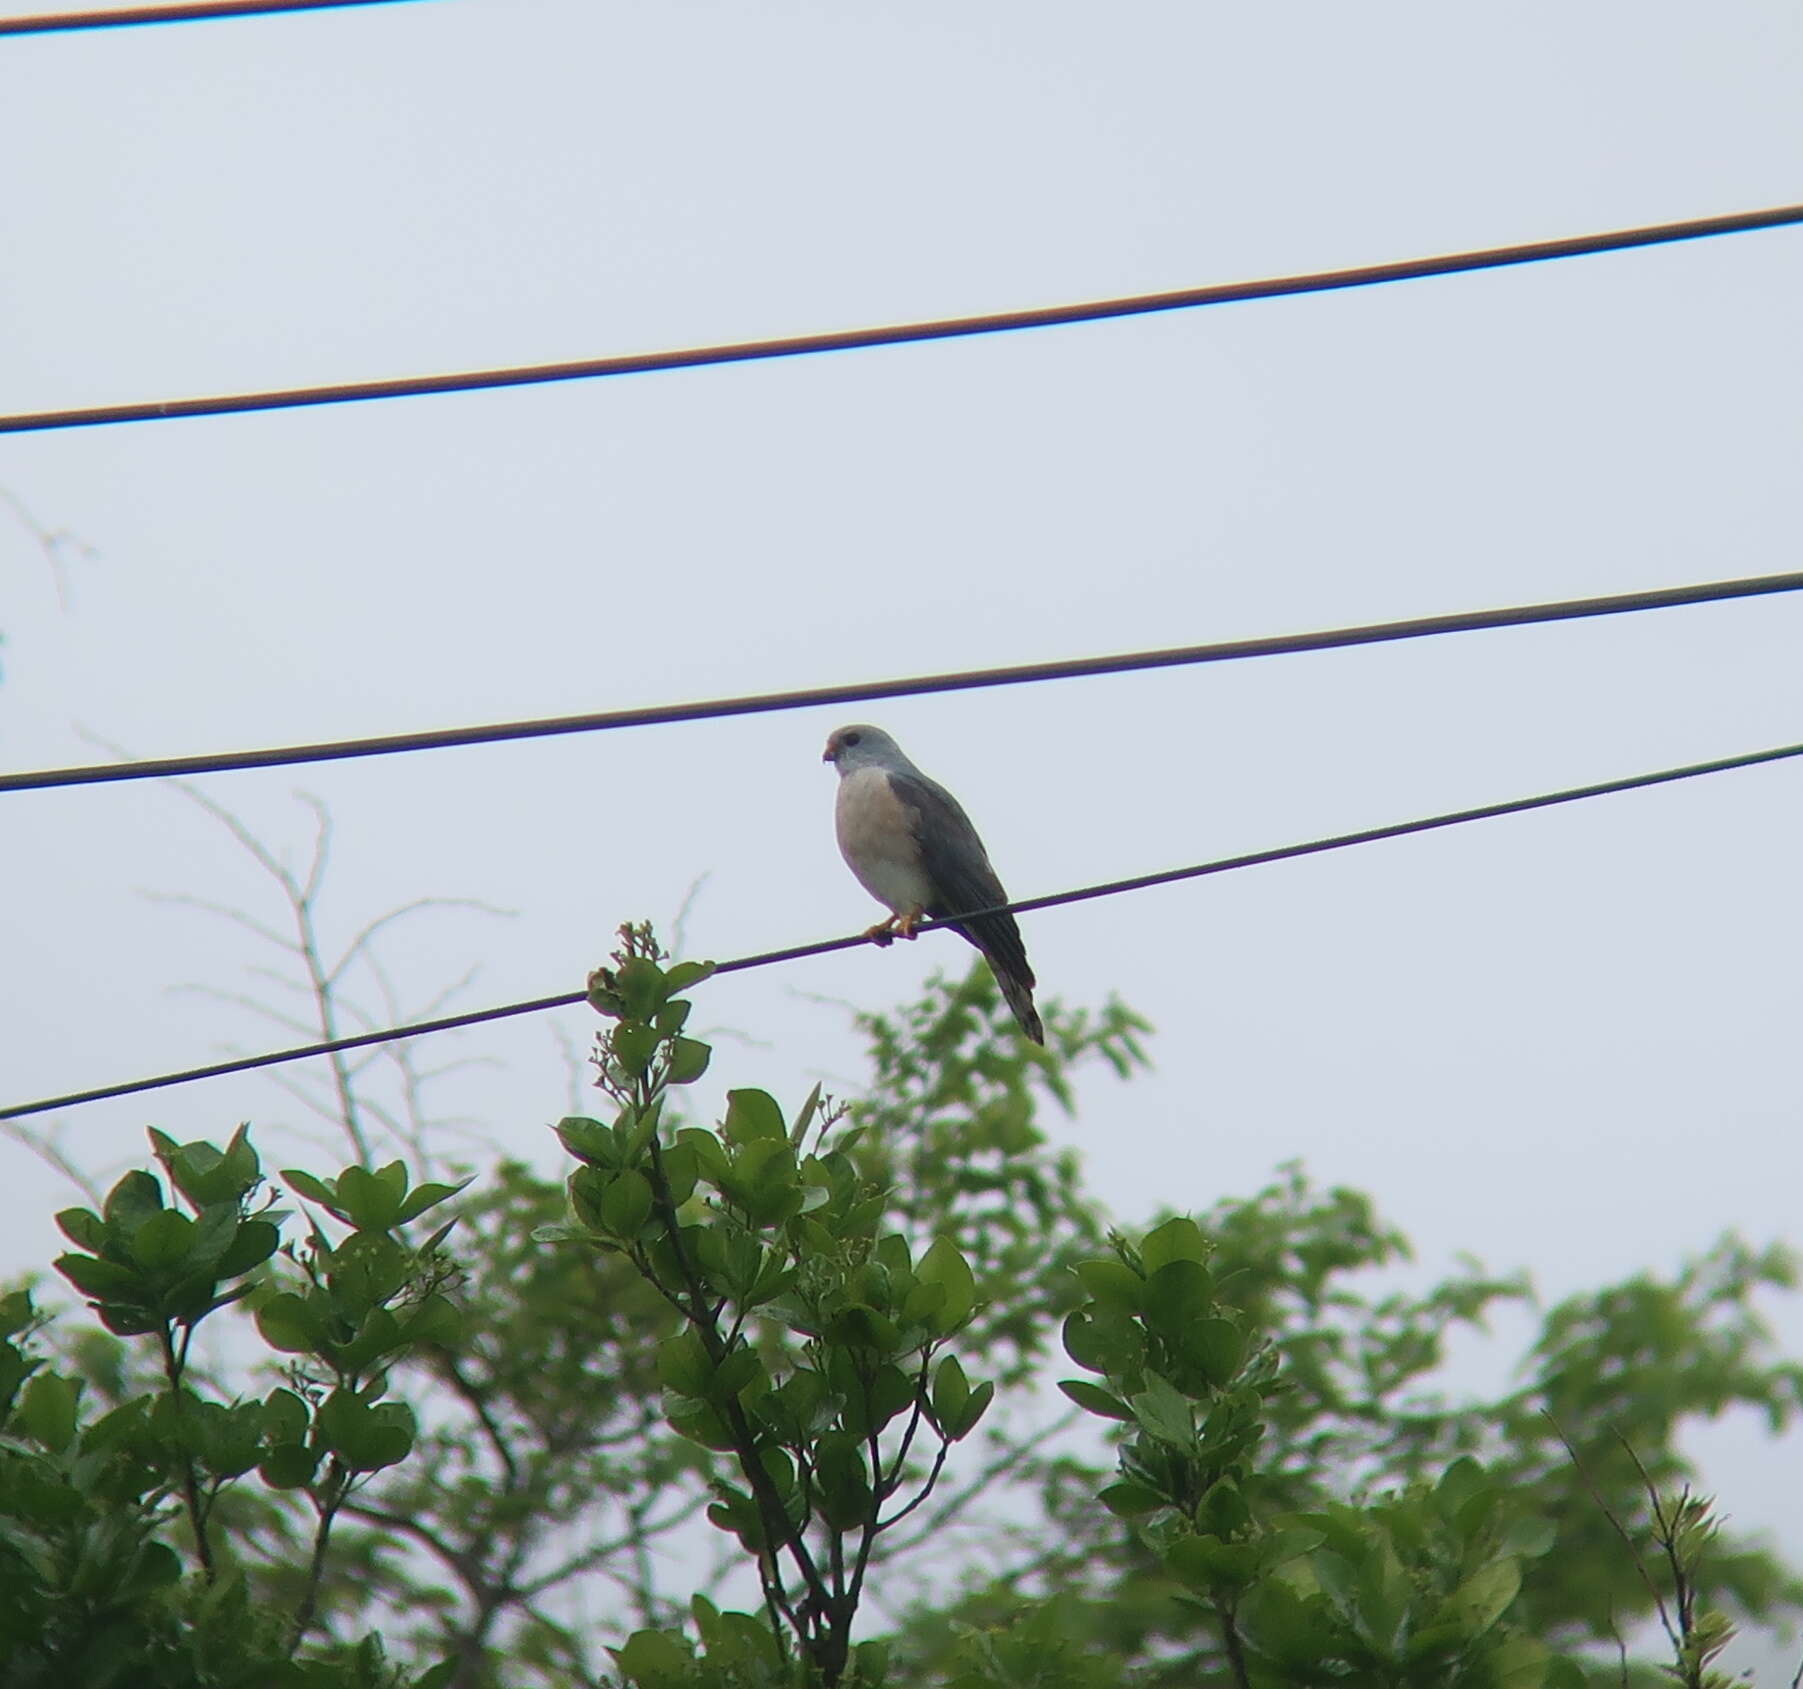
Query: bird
(912, 847)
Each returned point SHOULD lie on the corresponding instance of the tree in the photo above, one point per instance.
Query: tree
(817, 1337)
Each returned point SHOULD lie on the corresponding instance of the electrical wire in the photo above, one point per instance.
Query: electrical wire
(1377, 633)
(640, 363)
(125, 17)
(769, 958)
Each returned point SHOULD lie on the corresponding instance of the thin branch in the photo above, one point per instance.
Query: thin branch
(361, 940)
(337, 1492)
(408, 1525)
(982, 1480)
(588, 1558)
(926, 1490)
(243, 1000)
(183, 900)
(55, 543)
(1621, 1530)
(472, 1395)
(45, 1147)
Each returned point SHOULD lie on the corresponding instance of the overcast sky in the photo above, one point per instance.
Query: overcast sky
(1565, 1041)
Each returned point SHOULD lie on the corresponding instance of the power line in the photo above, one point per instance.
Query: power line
(640, 363)
(1376, 633)
(123, 17)
(769, 958)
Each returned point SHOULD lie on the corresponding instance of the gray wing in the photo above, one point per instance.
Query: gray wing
(962, 879)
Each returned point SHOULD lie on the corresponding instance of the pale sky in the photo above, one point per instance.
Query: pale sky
(1564, 1041)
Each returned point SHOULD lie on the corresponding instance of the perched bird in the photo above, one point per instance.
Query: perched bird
(913, 848)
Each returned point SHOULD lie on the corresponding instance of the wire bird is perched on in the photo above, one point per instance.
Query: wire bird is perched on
(914, 850)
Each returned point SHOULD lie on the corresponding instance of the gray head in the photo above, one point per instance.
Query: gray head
(863, 746)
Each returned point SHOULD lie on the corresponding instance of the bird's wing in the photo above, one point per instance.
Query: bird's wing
(958, 867)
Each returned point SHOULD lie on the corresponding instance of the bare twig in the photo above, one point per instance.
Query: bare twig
(46, 1147)
(57, 544)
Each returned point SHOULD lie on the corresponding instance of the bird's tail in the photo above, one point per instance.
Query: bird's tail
(1017, 993)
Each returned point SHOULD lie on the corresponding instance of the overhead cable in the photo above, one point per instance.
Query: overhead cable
(125, 17)
(1376, 633)
(769, 958)
(1051, 316)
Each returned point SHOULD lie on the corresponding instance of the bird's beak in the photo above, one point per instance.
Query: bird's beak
(829, 753)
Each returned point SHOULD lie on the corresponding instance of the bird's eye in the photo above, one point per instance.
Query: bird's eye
(851, 738)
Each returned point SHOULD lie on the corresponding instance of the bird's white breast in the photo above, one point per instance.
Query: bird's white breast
(876, 838)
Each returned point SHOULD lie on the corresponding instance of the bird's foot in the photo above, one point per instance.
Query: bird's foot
(883, 933)
(905, 924)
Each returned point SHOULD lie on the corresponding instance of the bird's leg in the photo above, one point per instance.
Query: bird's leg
(885, 933)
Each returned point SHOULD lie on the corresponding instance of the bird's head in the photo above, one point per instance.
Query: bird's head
(862, 746)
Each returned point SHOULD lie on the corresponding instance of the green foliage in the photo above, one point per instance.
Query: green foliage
(113, 1565)
(813, 1339)
(812, 1343)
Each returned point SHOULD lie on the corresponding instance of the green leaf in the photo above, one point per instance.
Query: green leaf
(633, 1045)
(640, 983)
(288, 1322)
(284, 1417)
(46, 1410)
(369, 1201)
(1127, 1500)
(16, 1312)
(289, 1466)
(688, 1061)
(1207, 1564)
(681, 1169)
(737, 1371)
(588, 1140)
(626, 1204)
(1102, 1340)
(136, 1196)
(751, 1115)
(365, 1438)
(1281, 1547)
(945, 1266)
(844, 1485)
(679, 977)
(1164, 1413)
(951, 1390)
(155, 1566)
(710, 1156)
(83, 1228)
(1112, 1283)
(701, 1423)
(1219, 1347)
(974, 1409)
(809, 1108)
(252, 1244)
(1481, 1599)
(1093, 1399)
(1177, 1295)
(859, 1327)
(161, 1240)
(314, 1190)
(653, 1659)
(426, 1196)
(105, 1281)
(1176, 1240)
(683, 1364)
(435, 1320)
(1528, 1539)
